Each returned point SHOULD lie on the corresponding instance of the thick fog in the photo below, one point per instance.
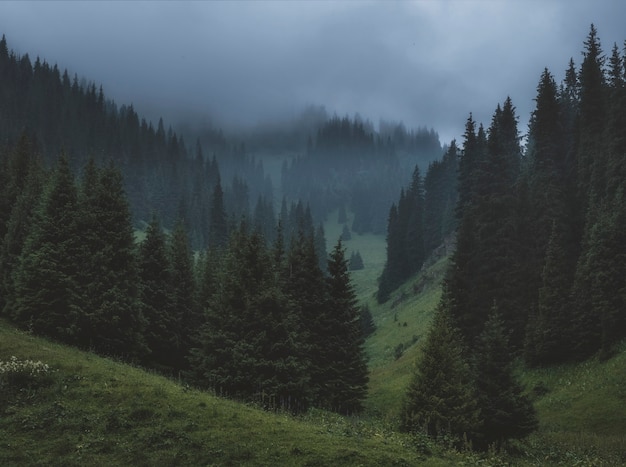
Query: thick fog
(427, 63)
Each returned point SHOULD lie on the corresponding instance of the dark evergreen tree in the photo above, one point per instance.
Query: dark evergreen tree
(218, 225)
(389, 278)
(248, 347)
(305, 287)
(157, 300)
(440, 198)
(505, 412)
(590, 155)
(548, 337)
(356, 262)
(368, 327)
(18, 227)
(186, 319)
(344, 384)
(485, 264)
(111, 321)
(441, 397)
(415, 253)
(320, 248)
(45, 280)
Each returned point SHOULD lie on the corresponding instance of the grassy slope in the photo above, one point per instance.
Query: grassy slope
(100, 412)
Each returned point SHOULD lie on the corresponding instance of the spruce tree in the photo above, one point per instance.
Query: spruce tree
(156, 299)
(344, 385)
(441, 397)
(388, 279)
(414, 233)
(19, 225)
(110, 315)
(248, 347)
(305, 288)
(548, 337)
(505, 412)
(45, 287)
(218, 225)
(181, 274)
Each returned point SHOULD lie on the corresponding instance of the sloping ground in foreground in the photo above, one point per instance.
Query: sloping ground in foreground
(88, 410)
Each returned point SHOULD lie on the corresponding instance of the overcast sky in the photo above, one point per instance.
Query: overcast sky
(427, 63)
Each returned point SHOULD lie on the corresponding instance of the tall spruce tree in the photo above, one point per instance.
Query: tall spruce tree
(441, 397)
(548, 337)
(505, 412)
(484, 265)
(344, 386)
(249, 347)
(305, 287)
(45, 287)
(218, 225)
(389, 277)
(414, 233)
(186, 318)
(157, 301)
(18, 227)
(111, 319)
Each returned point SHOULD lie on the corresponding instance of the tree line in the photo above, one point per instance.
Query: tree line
(538, 271)
(349, 164)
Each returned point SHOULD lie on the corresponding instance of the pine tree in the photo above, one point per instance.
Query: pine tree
(368, 327)
(305, 288)
(590, 158)
(548, 333)
(111, 321)
(218, 225)
(46, 276)
(344, 384)
(389, 277)
(505, 412)
(441, 397)
(186, 319)
(440, 197)
(356, 262)
(157, 301)
(415, 253)
(248, 348)
(18, 227)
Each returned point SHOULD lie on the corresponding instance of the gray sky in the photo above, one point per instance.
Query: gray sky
(427, 63)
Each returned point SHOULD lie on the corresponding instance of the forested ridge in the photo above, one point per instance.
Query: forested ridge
(243, 298)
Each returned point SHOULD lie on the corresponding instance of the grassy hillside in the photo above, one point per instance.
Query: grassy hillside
(88, 410)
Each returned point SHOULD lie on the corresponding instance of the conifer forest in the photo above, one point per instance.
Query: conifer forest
(195, 255)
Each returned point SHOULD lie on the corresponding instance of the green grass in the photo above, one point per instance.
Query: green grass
(582, 410)
(99, 412)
